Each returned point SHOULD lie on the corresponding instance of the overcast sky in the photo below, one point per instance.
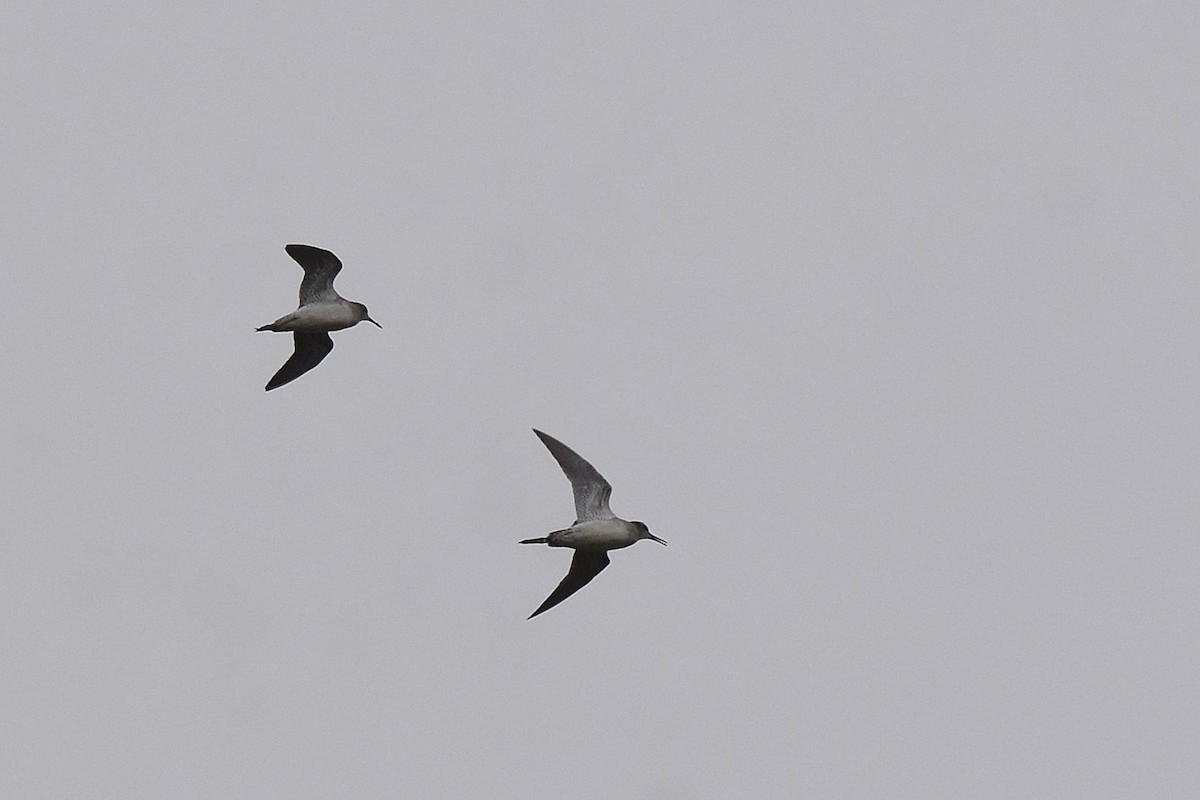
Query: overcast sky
(883, 314)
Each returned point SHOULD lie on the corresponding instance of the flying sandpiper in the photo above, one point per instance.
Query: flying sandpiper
(596, 530)
(321, 310)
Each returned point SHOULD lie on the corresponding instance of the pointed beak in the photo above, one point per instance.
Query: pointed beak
(655, 538)
(373, 322)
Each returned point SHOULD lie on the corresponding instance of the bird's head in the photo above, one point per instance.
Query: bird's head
(363, 316)
(644, 532)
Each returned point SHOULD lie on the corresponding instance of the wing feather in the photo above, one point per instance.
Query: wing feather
(590, 489)
(586, 565)
(311, 348)
(320, 268)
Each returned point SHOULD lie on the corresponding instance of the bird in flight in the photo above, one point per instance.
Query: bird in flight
(596, 529)
(321, 310)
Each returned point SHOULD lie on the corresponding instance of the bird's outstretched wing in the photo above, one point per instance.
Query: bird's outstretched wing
(311, 348)
(586, 565)
(590, 488)
(320, 268)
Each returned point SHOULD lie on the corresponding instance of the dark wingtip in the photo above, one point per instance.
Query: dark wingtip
(276, 381)
(310, 256)
(547, 604)
(546, 439)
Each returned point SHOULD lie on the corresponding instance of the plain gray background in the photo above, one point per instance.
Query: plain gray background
(882, 314)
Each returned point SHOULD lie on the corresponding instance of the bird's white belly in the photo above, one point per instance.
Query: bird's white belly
(596, 534)
(318, 317)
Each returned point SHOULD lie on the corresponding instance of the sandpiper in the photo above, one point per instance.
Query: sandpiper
(596, 530)
(321, 310)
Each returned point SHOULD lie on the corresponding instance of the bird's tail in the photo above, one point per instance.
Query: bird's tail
(554, 539)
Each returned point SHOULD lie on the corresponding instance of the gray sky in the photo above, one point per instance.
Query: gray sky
(884, 315)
